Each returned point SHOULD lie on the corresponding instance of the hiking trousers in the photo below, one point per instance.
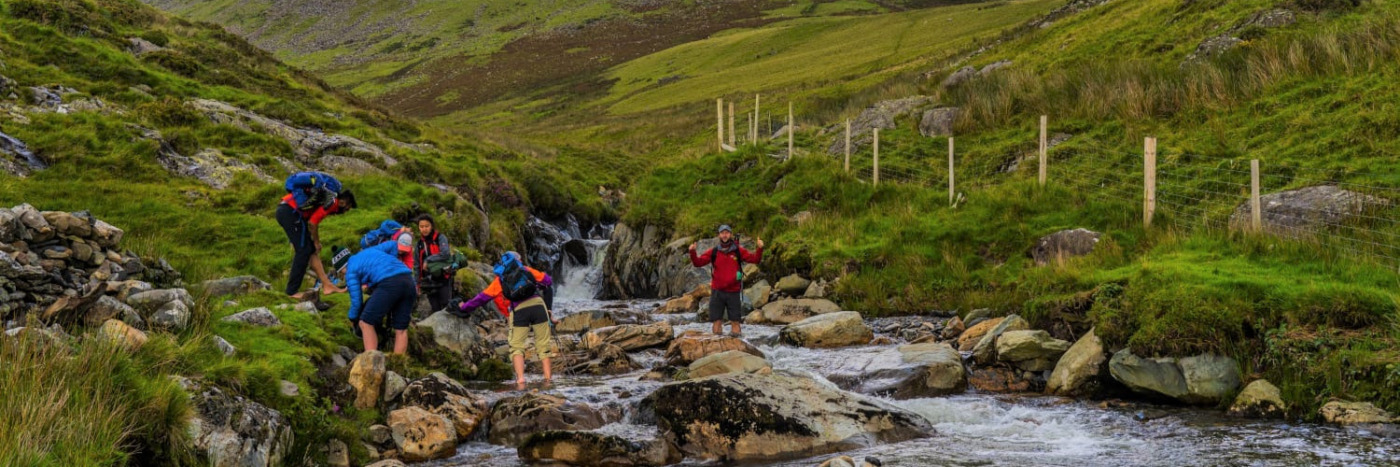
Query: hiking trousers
(303, 248)
(530, 317)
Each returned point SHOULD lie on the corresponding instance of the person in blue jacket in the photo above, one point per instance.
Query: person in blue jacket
(393, 293)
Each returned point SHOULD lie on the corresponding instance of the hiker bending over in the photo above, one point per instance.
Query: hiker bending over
(517, 292)
(433, 247)
(727, 282)
(392, 294)
(311, 197)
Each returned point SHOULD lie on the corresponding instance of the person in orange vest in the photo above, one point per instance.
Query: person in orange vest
(727, 279)
(518, 292)
(300, 216)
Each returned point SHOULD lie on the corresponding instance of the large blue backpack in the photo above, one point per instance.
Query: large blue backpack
(517, 284)
(384, 233)
(312, 190)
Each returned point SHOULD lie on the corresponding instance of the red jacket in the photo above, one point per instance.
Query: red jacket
(726, 267)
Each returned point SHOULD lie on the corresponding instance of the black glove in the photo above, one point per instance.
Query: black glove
(355, 328)
(455, 305)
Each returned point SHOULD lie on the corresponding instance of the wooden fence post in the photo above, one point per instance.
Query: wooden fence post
(755, 118)
(731, 124)
(1043, 148)
(789, 127)
(875, 171)
(1149, 181)
(719, 127)
(1256, 215)
(951, 195)
(848, 145)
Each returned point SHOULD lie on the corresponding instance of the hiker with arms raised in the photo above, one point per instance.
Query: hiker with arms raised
(517, 291)
(392, 293)
(311, 197)
(727, 281)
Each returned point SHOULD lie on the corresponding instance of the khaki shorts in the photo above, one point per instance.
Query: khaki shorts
(529, 320)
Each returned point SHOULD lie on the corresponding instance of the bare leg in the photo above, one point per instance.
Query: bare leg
(519, 361)
(718, 328)
(400, 342)
(371, 339)
(327, 287)
(734, 327)
(548, 374)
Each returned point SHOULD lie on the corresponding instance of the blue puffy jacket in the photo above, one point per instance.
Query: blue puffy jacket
(370, 267)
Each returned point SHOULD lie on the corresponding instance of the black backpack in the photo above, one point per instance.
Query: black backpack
(517, 284)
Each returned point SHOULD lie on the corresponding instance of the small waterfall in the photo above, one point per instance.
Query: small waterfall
(583, 281)
(10, 145)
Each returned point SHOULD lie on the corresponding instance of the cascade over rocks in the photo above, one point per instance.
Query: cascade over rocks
(740, 417)
(514, 419)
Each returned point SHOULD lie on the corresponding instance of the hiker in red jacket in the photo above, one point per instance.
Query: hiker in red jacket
(727, 283)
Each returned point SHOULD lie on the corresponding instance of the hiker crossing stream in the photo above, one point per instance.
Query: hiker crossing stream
(972, 427)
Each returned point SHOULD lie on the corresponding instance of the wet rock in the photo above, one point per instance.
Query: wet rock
(223, 346)
(1298, 212)
(939, 122)
(732, 361)
(260, 316)
(1004, 380)
(630, 337)
(443, 396)
(969, 338)
(793, 310)
(1082, 370)
(984, 353)
(367, 377)
(229, 430)
(792, 285)
(759, 294)
(586, 448)
(1030, 350)
(422, 435)
(694, 345)
(123, 335)
(1064, 244)
(643, 263)
(922, 370)
(606, 359)
(1355, 413)
(840, 329)
(456, 334)
(741, 417)
(514, 419)
(585, 320)
(1260, 399)
(1203, 379)
(241, 285)
(678, 305)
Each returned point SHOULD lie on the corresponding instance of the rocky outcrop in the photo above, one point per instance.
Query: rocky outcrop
(882, 115)
(456, 334)
(586, 448)
(1298, 212)
(421, 435)
(939, 122)
(1203, 379)
(514, 419)
(922, 370)
(640, 263)
(840, 329)
(694, 345)
(308, 144)
(234, 286)
(367, 377)
(796, 309)
(630, 337)
(228, 430)
(261, 317)
(741, 417)
(1355, 413)
(1082, 370)
(1260, 399)
(443, 396)
(209, 166)
(732, 361)
(1063, 245)
(1032, 350)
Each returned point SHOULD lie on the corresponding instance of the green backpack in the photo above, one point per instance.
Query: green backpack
(448, 265)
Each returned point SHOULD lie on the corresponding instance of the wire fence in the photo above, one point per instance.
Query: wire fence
(1350, 211)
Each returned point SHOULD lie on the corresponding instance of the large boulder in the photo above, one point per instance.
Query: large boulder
(939, 122)
(1260, 399)
(630, 336)
(732, 361)
(740, 417)
(1294, 212)
(514, 419)
(1355, 413)
(920, 370)
(367, 377)
(1082, 370)
(422, 435)
(228, 430)
(984, 353)
(793, 310)
(1064, 244)
(456, 334)
(151, 300)
(840, 329)
(260, 316)
(172, 316)
(759, 294)
(240, 285)
(441, 395)
(1032, 350)
(585, 320)
(586, 448)
(793, 285)
(1203, 379)
(694, 345)
(122, 334)
(680, 305)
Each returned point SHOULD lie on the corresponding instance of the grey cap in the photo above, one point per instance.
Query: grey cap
(724, 227)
